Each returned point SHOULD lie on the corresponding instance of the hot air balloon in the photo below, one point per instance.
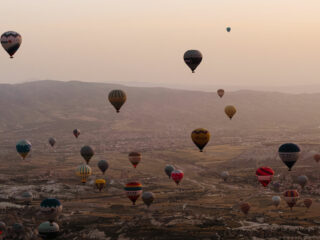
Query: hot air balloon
(51, 208)
(230, 111)
(224, 175)
(264, 175)
(148, 198)
(291, 197)
(168, 170)
(276, 200)
(134, 158)
(133, 191)
(302, 180)
(100, 184)
(228, 29)
(117, 98)
(87, 153)
(220, 93)
(76, 133)
(83, 171)
(48, 230)
(103, 165)
(245, 207)
(52, 141)
(200, 137)
(289, 154)
(177, 176)
(316, 157)
(307, 202)
(23, 148)
(11, 42)
(192, 58)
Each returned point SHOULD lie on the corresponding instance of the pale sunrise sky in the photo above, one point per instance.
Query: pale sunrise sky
(272, 42)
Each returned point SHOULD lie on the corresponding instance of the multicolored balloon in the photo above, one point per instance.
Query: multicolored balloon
(83, 171)
(100, 184)
(51, 208)
(177, 176)
(264, 175)
(148, 198)
(117, 98)
(103, 166)
(307, 202)
(134, 158)
(192, 58)
(289, 153)
(23, 148)
(200, 137)
(230, 111)
(168, 170)
(133, 191)
(302, 180)
(11, 42)
(291, 197)
(76, 132)
(276, 200)
(220, 93)
(87, 153)
(52, 141)
(245, 208)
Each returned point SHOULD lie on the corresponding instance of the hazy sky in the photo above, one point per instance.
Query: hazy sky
(273, 42)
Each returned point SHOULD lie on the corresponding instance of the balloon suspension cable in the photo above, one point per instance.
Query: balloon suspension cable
(11, 56)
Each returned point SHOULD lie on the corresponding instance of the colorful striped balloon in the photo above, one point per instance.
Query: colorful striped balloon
(291, 197)
(133, 191)
(264, 175)
(117, 98)
(83, 171)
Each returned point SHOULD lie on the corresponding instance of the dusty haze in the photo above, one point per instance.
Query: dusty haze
(272, 43)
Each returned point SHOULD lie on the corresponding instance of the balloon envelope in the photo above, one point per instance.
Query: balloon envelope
(51, 208)
(245, 207)
(52, 141)
(230, 111)
(224, 175)
(100, 184)
(148, 198)
(48, 230)
(200, 137)
(177, 176)
(134, 158)
(23, 148)
(87, 153)
(220, 93)
(228, 29)
(291, 197)
(103, 165)
(192, 58)
(276, 200)
(117, 98)
(307, 202)
(302, 180)
(168, 170)
(11, 42)
(289, 153)
(264, 175)
(133, 191)
(76, 133)
(316, 157)
(83, 171)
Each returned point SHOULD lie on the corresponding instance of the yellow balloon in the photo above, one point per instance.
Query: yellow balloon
(100, 184)
(200, 137)
(230, 111)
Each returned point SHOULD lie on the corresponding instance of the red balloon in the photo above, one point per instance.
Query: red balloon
(316, 157)
(264, 175)
(177, 176)
(245, 207)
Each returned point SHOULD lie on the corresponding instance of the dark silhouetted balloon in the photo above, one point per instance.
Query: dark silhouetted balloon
(192, 58)
(307, 202)
(220, 93)
(76, 133)
(168, 170)
(52, 141)
(148, 198)
(245, 208)
(228, 29)
(23, 148)
(103, 166)
(200, 137)
(48, 230)
(134, 158)
(87, 153)
(289, 153)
